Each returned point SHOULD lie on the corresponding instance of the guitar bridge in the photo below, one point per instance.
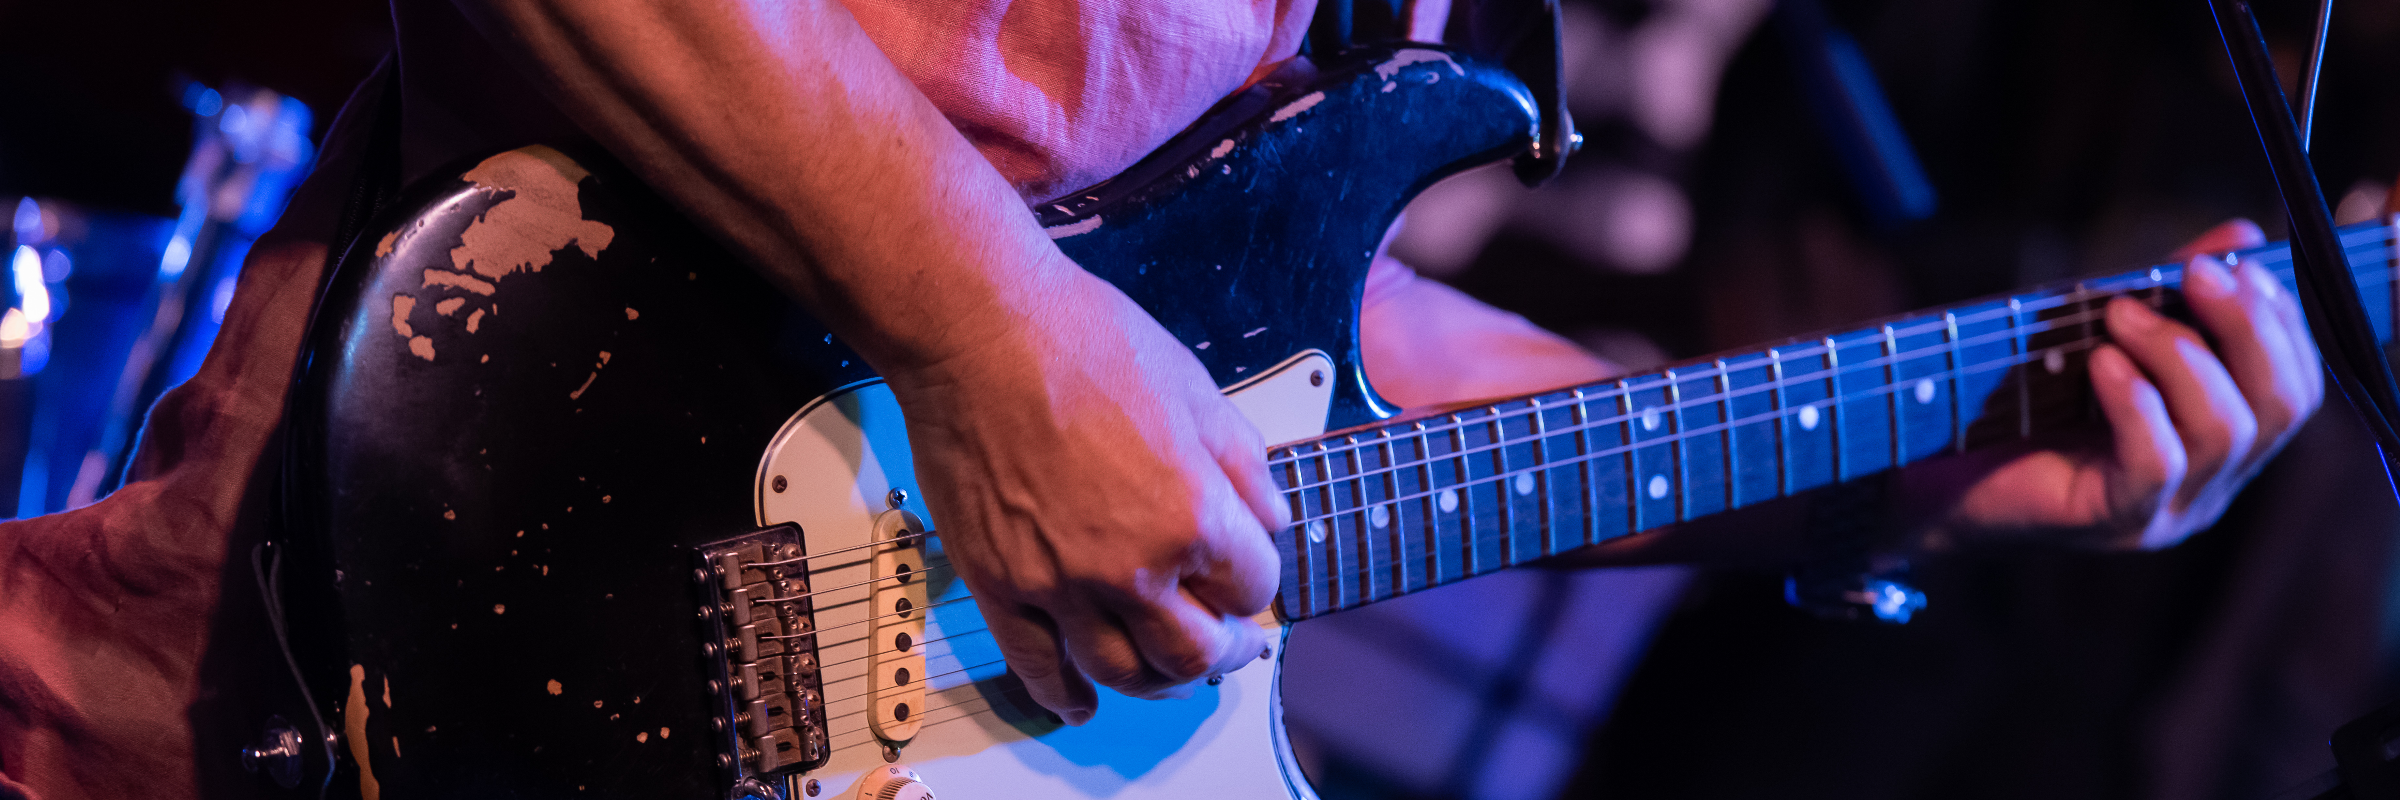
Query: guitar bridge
(760, 638)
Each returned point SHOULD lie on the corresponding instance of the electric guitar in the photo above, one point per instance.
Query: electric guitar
(597, 512)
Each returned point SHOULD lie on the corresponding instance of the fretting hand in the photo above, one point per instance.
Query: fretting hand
(2188, 424)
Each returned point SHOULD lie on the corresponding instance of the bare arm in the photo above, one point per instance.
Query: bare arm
(1105, 504)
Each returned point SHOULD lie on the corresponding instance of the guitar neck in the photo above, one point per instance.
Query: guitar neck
(1395, 507)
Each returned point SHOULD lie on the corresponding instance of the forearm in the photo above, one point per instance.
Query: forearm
(785, 131)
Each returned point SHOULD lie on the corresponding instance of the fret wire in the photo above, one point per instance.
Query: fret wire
(1833, 407)
(1779, 405)
(1299, 540)
(1391, 489)
(2022, 345)
(1541, 476)
(1433, 520)
(2018, 333)
(1675, 466)
(1950, 364)
(1499, 450)
(1358, 508)
(1466, 500)
(1891, 404)
(1330, 541)
(1633, 481)
(1725, 438)
(2017, 307)
(1585, 491)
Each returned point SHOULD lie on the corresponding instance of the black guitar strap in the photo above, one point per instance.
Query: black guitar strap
(377, 182)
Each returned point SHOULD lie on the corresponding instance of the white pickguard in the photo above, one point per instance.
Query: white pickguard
(839, 458)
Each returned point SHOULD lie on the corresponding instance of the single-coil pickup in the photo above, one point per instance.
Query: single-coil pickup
(761, 644)
(897, 677)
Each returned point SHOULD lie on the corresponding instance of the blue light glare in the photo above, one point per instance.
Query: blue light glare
(25, 273)
(178, 255)
(28, 222)
(202, 100)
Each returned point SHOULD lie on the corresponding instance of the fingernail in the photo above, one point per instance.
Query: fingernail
(1076, 717)
(2132, 316)
(2108, 364)
(2208, 276)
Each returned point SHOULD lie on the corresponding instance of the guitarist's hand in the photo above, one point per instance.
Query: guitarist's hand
(2188, 424)
(1106, 505)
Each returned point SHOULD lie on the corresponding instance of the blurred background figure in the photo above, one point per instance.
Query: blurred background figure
(1755, 169)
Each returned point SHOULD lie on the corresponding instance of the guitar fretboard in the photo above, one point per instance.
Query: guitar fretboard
(1397, 507)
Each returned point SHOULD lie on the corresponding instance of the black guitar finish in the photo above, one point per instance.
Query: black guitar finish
(509, 510)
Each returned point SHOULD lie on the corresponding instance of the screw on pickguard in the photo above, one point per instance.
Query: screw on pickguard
(759, 636)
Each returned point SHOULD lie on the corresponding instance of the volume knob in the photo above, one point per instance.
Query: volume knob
(893, 782)
(905, 789)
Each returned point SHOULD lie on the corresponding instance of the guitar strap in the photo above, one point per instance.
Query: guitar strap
(377, 182)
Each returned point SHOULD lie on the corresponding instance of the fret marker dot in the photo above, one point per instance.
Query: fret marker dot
(1658, 487)
(1449, 500)
(1808, 418)
(1380, 516)
(1650, 419)
(2157, 276)
(1316, 532)
(1925, 391)
(2055, 361)
(1525, 484)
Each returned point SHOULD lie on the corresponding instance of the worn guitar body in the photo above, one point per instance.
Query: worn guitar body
(535, 401)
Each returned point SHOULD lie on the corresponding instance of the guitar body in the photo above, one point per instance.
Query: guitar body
(535, 400)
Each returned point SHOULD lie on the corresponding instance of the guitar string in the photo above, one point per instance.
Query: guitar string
(1711, 401)
(1616, 389)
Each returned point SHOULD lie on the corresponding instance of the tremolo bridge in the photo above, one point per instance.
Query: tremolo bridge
(761, 641)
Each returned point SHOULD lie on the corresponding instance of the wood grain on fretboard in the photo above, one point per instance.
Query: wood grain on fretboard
(1395, 507)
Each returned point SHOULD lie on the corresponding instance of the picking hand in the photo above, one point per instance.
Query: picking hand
(1106, 505)
(2189, 425)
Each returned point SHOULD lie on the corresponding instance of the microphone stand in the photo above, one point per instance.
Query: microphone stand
(2337, 319)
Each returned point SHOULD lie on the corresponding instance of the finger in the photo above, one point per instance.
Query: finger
(2252, 343)
(2208, 409)
(1242, 454)
(1181, 641)
(2306, 362)
(2232, 234)
(1031, 646)
(2150, 456)
(1099, 646)
(1233, 569)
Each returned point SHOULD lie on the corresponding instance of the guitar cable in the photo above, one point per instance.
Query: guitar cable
(2364, 751)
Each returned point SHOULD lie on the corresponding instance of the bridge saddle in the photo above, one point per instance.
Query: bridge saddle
(759, 637)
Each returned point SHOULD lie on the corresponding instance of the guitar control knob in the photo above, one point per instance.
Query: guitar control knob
(905, 789)
(893, 782)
